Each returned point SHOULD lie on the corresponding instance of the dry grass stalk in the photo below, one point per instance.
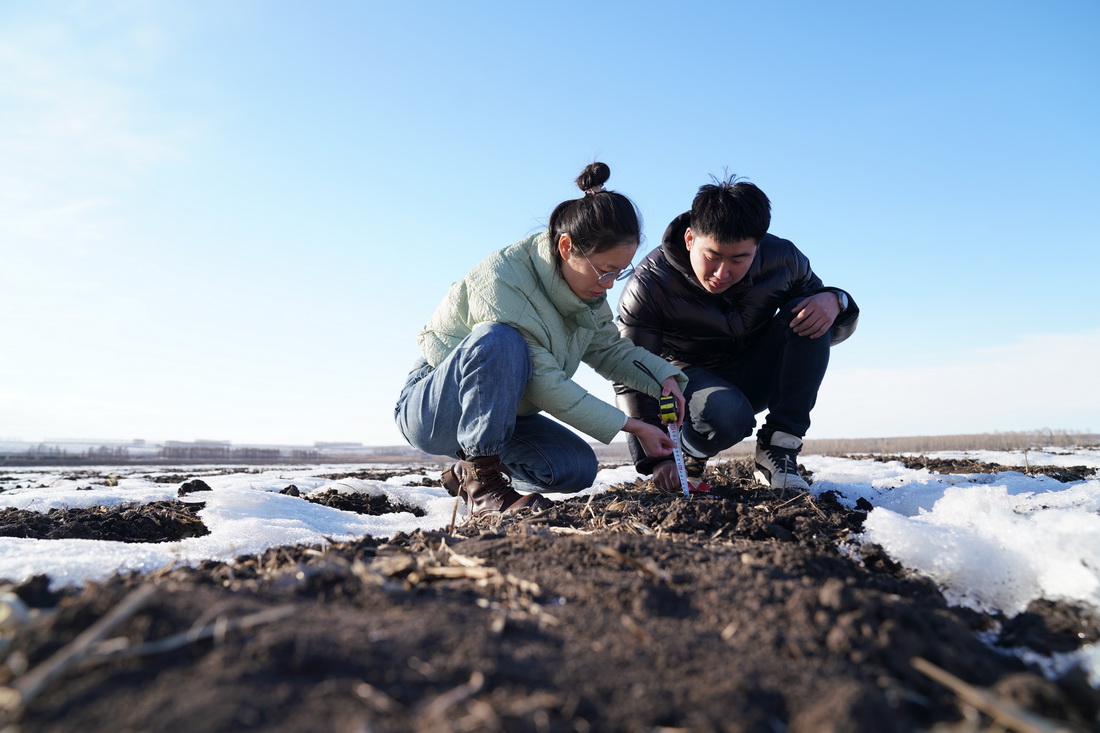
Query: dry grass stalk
(632, 626)
(219, 628)
(521, 706)
(1003, 712)
(376, 698)
(646, 566)
(458, 571)
(635, 527)
(524, 586)
(454, 516)
(588, 505)
(538, 517)
(569, 530)
(30, 685)
(463, 560)
(437, 707)
(484, 575)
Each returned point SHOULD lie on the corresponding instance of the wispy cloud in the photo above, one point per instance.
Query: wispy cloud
(75, 135)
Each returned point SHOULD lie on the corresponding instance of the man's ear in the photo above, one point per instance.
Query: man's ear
(688, 238)
(565, 246)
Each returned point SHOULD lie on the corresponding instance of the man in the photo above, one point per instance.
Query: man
(750, 324)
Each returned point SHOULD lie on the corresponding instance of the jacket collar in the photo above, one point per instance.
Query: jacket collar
(672, 244)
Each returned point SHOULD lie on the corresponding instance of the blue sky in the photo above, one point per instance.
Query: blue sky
(228, 221)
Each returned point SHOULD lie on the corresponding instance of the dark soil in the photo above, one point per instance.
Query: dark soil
(634, 610)
(162, 521)
(1065, 474)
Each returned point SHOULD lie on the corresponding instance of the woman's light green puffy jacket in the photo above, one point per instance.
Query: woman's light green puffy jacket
(522, 286)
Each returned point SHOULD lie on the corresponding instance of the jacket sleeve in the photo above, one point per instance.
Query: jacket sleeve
(808, 283)
(617, 358)
(553, 392)
(550, 388)
(846, 322)
(803, 280)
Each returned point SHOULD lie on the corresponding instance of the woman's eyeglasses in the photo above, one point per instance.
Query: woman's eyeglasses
(603, 278)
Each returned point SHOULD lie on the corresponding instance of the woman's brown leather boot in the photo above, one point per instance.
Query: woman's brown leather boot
(486, 486)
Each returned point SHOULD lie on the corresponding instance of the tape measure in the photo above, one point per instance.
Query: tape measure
(669, 416)
(668, 409)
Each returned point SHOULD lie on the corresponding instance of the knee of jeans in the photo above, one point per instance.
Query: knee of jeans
(714, 407)
(495, 328)
(503, 336)
(721, 426)
(498, 331)
(578, 477)
(722, 437)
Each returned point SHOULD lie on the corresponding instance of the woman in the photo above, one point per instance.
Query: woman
(504, 344)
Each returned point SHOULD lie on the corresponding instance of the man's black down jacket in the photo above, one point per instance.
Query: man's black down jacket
(667, 311)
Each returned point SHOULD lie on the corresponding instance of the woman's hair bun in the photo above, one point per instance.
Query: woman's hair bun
(593, 177)
(600, 219)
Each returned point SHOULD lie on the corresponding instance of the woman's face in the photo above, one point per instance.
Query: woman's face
(582, 273)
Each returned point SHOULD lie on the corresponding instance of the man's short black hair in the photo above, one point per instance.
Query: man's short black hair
(731, 210)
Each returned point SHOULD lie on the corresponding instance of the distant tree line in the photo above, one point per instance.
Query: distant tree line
(218, 453)
(1011, 441)
(55, 452)
(44, 453)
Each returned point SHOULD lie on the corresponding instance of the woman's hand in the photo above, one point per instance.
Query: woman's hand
(672, 387)
(655, 442)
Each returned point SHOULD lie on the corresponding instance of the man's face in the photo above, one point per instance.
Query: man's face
(719, 266)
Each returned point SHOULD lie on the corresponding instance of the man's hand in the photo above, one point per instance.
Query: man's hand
(815, 315)
(665, 476)
(655, 442)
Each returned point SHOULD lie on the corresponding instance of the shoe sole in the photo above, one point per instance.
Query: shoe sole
(538, 502)
(452, 484)
(534, 502)
(765, 480)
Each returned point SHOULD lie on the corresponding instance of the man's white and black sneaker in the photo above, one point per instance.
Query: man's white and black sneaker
(777, 462)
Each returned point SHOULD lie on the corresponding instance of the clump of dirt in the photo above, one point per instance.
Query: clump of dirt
(162, 521)
(160, 477)
(375, 474)
(1051, 627)
(631, 610)
(1065, 474)
(361, 503)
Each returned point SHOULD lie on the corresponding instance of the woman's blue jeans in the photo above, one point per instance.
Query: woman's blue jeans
(466, 407)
